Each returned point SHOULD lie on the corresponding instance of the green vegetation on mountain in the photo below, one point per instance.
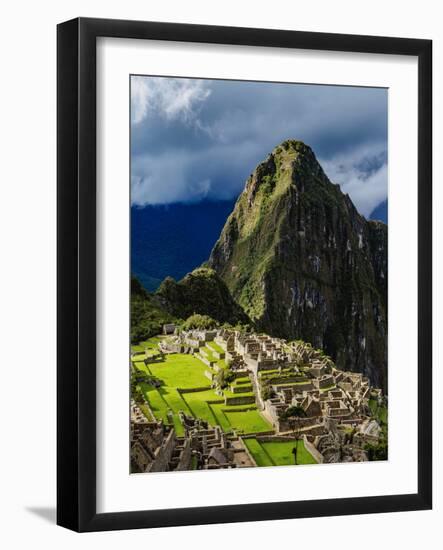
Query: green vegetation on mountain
(197, 321)
(303, 263)
(147, 317)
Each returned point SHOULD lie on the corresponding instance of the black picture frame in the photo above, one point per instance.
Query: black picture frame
(76, 266)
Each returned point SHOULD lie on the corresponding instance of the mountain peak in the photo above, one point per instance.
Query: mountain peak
(291, 164)
(292, 145)
(303, 263)
(295, 151)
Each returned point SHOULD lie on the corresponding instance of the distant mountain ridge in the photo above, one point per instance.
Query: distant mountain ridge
(303, 263)
(172, 240)
(380, 213)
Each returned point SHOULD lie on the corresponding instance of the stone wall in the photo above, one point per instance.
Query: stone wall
(204, 359)
(140, 457)
(287, 380)
(325, 382)
(242, 409)
(298, 388)
(163, 454)
(243, 388)
(313, 451)
(252, 363)
(240, 373)
(256, 435)
(267, 364)
(185, 456)
(251, 458)
(274, 438)
(209, 375)
(240, 400)
(193, 390)
(315, 429)
(271, 411)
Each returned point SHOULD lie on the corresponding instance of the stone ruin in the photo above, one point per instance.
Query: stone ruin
(337, 422)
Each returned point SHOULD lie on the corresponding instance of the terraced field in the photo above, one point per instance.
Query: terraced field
(247, 421)
(148, 345)
(184, 387)
(180, 371)
(278, 453)
(208, 352)
(216, 347)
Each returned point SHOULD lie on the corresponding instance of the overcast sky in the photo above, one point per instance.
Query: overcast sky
(197, 139)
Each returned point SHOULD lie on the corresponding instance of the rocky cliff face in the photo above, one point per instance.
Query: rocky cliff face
(303, 263)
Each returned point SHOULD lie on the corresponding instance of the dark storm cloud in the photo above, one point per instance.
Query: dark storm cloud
(195, 139)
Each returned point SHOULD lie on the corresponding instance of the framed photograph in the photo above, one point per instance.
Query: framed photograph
(244, 274)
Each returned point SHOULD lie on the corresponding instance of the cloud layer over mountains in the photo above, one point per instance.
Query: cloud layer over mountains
(197, 139)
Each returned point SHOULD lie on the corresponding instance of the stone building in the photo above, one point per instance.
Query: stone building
(169, 328)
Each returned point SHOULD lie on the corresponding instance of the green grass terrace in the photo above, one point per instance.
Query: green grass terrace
(148, 346)
(278, 453)
(208, 352)
(185, 387)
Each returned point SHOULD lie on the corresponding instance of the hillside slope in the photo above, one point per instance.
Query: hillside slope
(201, 291)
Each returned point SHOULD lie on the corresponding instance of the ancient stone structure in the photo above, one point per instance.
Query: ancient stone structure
(297, 388)
(169, 328)
(151, 443)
